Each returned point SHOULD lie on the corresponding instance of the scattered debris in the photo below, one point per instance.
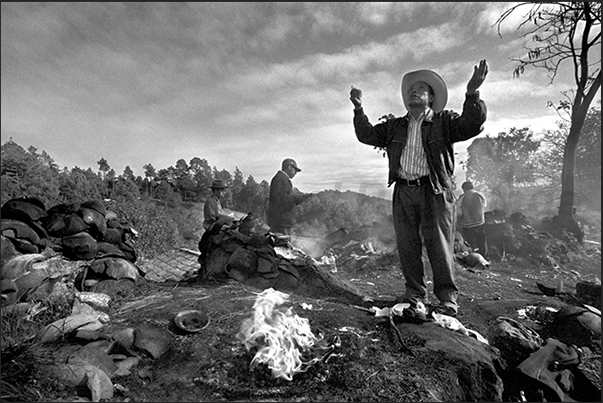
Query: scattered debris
(191, 320)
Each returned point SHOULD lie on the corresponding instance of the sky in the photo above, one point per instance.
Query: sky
(246, 85)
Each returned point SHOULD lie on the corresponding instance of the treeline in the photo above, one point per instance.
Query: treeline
(156, 204)
(521, 171)
(36, 173)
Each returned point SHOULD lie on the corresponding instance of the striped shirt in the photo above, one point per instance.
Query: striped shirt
(413, 161)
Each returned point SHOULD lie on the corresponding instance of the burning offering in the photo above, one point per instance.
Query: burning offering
(284, 340)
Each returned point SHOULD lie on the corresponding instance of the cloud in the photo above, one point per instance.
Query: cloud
(241, 84)
(488, 18)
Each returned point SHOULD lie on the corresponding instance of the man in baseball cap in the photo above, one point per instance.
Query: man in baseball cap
(289, 162)
(421, 164)
(284, 197)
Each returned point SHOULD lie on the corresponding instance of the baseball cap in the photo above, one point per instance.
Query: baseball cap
(290, 162)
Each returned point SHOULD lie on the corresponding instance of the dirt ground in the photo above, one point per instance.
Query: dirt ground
(367, 361)
(362, 357)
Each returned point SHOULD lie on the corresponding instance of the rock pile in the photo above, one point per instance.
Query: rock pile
(86, 232)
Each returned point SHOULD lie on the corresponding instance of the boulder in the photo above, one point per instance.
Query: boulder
(514, 340)
(116, 268)
(152, 339)
(80, 246)
(31, 207)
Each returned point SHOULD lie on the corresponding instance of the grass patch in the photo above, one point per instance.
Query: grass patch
(21, 355)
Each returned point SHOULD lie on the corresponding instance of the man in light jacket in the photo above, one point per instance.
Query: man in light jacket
(471, 206)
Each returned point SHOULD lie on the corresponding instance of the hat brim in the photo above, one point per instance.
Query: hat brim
(433, 79)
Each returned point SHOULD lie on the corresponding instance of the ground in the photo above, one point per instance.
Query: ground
(213, 365)
(365, 358)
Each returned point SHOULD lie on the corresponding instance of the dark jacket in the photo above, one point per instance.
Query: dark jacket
(439, 133)
(281, 202)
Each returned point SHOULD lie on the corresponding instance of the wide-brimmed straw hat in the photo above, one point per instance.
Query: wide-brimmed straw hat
(433, 79)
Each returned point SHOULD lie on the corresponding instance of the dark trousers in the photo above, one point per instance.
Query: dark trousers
(476, 238)
(419, 215)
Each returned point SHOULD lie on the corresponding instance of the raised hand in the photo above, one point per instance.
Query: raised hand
(479, 76)
(356, 97)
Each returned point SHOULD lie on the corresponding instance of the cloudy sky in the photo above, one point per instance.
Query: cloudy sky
(248, 84)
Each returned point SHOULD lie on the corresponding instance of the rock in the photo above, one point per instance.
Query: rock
(95, 299)
(8, 290)
(95, 205)
(576, 325)
(99, 384)
(589, 293)
(114, 288)
(480, 362)
(116, 268)
(94, 357)
(81, 317)
(71, 375)
(8, 250)
(125, 337)
(80, 246)
(124, 366)
(152, 340)
(19, 265)
(32, 207)
(28, 274)
(476, 261)
(96, 222)
(30, 281)
(514, 340)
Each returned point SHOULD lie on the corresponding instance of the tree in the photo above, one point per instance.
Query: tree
(202, 176)
(80, 185)
(109, 182)
(28, 173)
(128, 174)
(565, 31)
(166, 193)
(103, 167)
(238, 182)
(588, 159)
(149, 182)
(125, 189)
(251, 198)
(502, 163)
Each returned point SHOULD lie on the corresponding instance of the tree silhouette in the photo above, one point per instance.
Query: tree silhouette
(559, 32)
(103, 167)
(588, 159)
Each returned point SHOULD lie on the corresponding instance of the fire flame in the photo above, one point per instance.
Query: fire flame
(284, 341)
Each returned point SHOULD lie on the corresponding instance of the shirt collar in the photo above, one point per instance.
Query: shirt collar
(285, 173)
(427, 115)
